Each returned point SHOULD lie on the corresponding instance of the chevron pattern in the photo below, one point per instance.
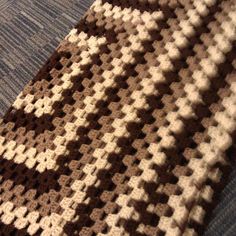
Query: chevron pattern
(126, 129)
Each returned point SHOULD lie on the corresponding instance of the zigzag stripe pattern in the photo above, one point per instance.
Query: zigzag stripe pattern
(129, 128)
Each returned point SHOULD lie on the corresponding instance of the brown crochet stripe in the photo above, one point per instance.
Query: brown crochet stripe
(117, 120)
(11, 230)
(141, 6)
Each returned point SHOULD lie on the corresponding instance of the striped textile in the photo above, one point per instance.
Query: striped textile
(127, 128)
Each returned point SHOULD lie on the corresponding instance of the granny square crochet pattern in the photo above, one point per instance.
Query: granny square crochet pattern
(128, 127)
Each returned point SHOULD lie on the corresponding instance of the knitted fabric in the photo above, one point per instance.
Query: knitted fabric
(127, 128)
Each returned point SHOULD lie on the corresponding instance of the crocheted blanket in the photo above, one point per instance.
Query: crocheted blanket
(129, 127)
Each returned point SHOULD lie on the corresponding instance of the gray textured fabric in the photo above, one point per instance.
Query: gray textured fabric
(223, 219)
(30, 30)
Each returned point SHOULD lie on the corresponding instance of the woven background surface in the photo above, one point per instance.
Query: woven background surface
(223, 218)
(29, 32)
